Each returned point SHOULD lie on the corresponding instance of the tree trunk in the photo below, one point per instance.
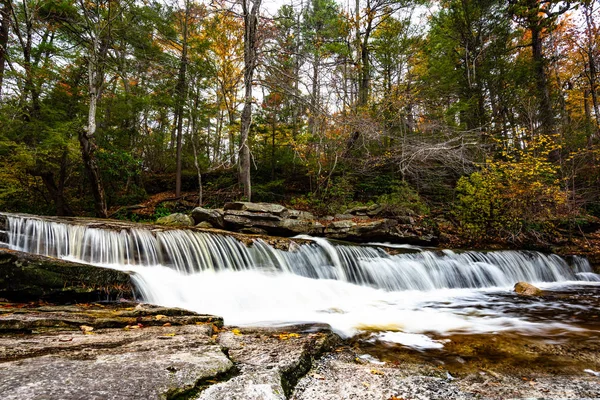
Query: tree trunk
(4, 30)
(181, 94)
(250, 55)
(87, 138)
(541, 79)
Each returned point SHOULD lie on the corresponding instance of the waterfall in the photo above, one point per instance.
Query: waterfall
(190, 251)
(400, 298)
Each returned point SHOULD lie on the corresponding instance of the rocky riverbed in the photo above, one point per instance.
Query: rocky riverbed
(137, 351)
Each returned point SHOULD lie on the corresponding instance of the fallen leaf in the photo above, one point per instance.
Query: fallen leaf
(236, 332)
(169, 334)
(376, 372)
(167, 324)
(159, 317)
(286, 336)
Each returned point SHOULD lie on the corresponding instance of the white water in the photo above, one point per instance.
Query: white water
(351, 288)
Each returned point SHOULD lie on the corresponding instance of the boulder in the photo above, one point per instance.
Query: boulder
(177, 219)
(267, 208)
(527, 289)
(213, 217)
(25, 277)
(204, 225)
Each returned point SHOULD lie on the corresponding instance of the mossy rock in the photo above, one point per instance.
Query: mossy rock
(25, 277)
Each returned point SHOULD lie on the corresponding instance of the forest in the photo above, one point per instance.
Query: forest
(482, 115)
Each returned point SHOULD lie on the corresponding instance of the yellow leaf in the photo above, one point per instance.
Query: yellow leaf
(236, 332)
(376, 372)
(159, 317)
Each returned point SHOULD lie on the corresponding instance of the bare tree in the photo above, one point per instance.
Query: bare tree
(250, 10)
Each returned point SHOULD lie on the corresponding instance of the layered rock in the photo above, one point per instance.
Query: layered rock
(366, 223)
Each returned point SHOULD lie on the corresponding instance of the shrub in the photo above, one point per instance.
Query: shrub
(508, 199)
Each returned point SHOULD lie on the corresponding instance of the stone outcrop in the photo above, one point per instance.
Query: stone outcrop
(177, 219)
(359, 224)
(25, 277)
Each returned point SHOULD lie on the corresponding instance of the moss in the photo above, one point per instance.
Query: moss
(25, 277)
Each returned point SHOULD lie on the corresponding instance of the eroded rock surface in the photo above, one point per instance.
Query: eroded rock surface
(270, 362)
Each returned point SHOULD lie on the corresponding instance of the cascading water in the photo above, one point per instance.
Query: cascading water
(352, 288)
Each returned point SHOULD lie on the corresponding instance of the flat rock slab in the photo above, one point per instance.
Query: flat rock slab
(149, 352)
(26, 318)
(346, 374)
(157, 364)
(337, 377)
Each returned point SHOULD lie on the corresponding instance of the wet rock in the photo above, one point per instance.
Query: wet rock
(25, 277)
(267, 208)
(527, 289)
(204, 225)
(3, 228)
(177, 219)
(213, 217)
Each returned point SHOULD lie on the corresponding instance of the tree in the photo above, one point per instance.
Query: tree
(250, 10)
(539, 17)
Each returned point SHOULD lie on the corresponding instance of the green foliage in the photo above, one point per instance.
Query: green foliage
(402, 200)
(273, 191)
(513, 198)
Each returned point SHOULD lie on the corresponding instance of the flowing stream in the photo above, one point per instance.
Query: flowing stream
(401, 298)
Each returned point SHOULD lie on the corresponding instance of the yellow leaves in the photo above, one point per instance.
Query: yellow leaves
(169, 334)
(286, 336)
(159, 317)
(377, 372)
(236, 332)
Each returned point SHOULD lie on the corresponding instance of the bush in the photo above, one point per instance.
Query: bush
(512, 198)
(402, 200)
